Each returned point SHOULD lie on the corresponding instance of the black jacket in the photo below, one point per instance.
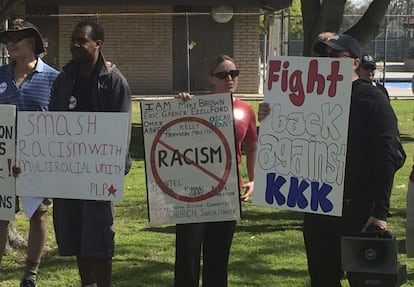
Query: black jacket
(111, 93)
(374, 150)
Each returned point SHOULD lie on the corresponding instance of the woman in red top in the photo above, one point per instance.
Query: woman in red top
(215, 238)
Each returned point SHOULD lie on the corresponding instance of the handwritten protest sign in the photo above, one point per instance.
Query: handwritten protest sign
(72, 155)
(302, 143)
(7, 157)
(190, 158)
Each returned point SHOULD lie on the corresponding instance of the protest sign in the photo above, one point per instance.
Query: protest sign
(190, 160)
(302, 143)
(72, 155)
(7, 158)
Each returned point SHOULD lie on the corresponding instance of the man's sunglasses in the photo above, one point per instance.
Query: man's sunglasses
(16, 37)
(223, 75)
(335, 54)
(369, 67)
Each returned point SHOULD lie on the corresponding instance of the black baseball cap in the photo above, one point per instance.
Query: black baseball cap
(368, 62)
(20, 25)
(339, 42)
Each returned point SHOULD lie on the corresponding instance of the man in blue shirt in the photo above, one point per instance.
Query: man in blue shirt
(27, 83)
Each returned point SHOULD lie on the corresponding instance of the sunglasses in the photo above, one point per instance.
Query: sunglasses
(369, 68)
(224, 74)
(335, 54)
(16, 37)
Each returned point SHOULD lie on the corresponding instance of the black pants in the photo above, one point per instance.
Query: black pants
(214, 239)
(322, 235)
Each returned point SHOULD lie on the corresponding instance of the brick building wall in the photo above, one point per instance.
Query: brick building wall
(140, 42)
(140, 46)
(247, 51)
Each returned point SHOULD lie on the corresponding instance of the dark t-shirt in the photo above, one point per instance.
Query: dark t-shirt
(82, 91)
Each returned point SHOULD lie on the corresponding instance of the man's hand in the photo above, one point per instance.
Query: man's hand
(263, 112)
(372, 221)
(16, 170)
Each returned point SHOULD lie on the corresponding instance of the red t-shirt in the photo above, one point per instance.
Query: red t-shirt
(245, 125)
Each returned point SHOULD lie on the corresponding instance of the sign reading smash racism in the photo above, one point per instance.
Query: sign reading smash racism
(303, 142)
(190, 158)
(72, 155)
(7, 157)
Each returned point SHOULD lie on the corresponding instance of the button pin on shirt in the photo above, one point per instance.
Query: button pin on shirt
(3, 87)
(72, 102)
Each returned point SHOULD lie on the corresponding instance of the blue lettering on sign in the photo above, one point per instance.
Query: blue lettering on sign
(296, 195)
(319, 197)
(296, 191)
(273, 186)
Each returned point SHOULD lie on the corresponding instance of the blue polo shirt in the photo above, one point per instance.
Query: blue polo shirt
(34, 94)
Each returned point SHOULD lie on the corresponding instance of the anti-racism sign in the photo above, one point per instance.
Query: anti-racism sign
(78, 155)
(190, 160)
(7, 158)
(302, 143)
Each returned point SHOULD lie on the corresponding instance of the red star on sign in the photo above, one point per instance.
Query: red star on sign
(112, 190)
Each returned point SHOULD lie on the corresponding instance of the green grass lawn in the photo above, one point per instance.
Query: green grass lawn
(267, 248)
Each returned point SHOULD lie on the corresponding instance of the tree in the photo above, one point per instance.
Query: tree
(327, 15)
(6, 8)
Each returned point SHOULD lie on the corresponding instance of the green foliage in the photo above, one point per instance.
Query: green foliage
(295, 21)
(267, 247)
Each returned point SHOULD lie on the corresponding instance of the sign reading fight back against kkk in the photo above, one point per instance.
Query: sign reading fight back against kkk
(7, 158)
(190, 160)
(72, 155)
(302, 143)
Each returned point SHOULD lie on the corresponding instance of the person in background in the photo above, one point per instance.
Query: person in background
(84, 228)
(214, 238)
(366, 70)
(374, 154)
(27, 83)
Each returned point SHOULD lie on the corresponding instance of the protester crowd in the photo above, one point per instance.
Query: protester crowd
(89, 83)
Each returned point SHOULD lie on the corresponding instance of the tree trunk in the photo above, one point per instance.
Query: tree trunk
(14, 240)
(368, 27)
(326, 16)
(320, 17)
(6, 9)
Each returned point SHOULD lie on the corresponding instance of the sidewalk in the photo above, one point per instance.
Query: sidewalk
(395, 72)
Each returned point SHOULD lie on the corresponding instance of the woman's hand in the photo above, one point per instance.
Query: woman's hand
(248, 187)
(184, 96)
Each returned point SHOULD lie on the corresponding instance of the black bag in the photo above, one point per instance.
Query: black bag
(370, 259)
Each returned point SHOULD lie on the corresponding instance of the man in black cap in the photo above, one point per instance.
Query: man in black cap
(374, 153)
(27, 83)
(367, 70)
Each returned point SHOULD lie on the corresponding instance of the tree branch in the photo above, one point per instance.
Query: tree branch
(368, 27)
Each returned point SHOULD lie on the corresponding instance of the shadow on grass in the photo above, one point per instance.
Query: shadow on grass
(142, 272)
(273, 221)
(405, 138)
(170, 229)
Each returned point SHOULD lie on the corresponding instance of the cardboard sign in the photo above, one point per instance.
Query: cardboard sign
(303, 142)
(190, 160)
(7, 158)
(78, 155)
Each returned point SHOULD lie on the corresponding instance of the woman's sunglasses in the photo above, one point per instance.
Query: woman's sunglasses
(223, 75)
(16, 37)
